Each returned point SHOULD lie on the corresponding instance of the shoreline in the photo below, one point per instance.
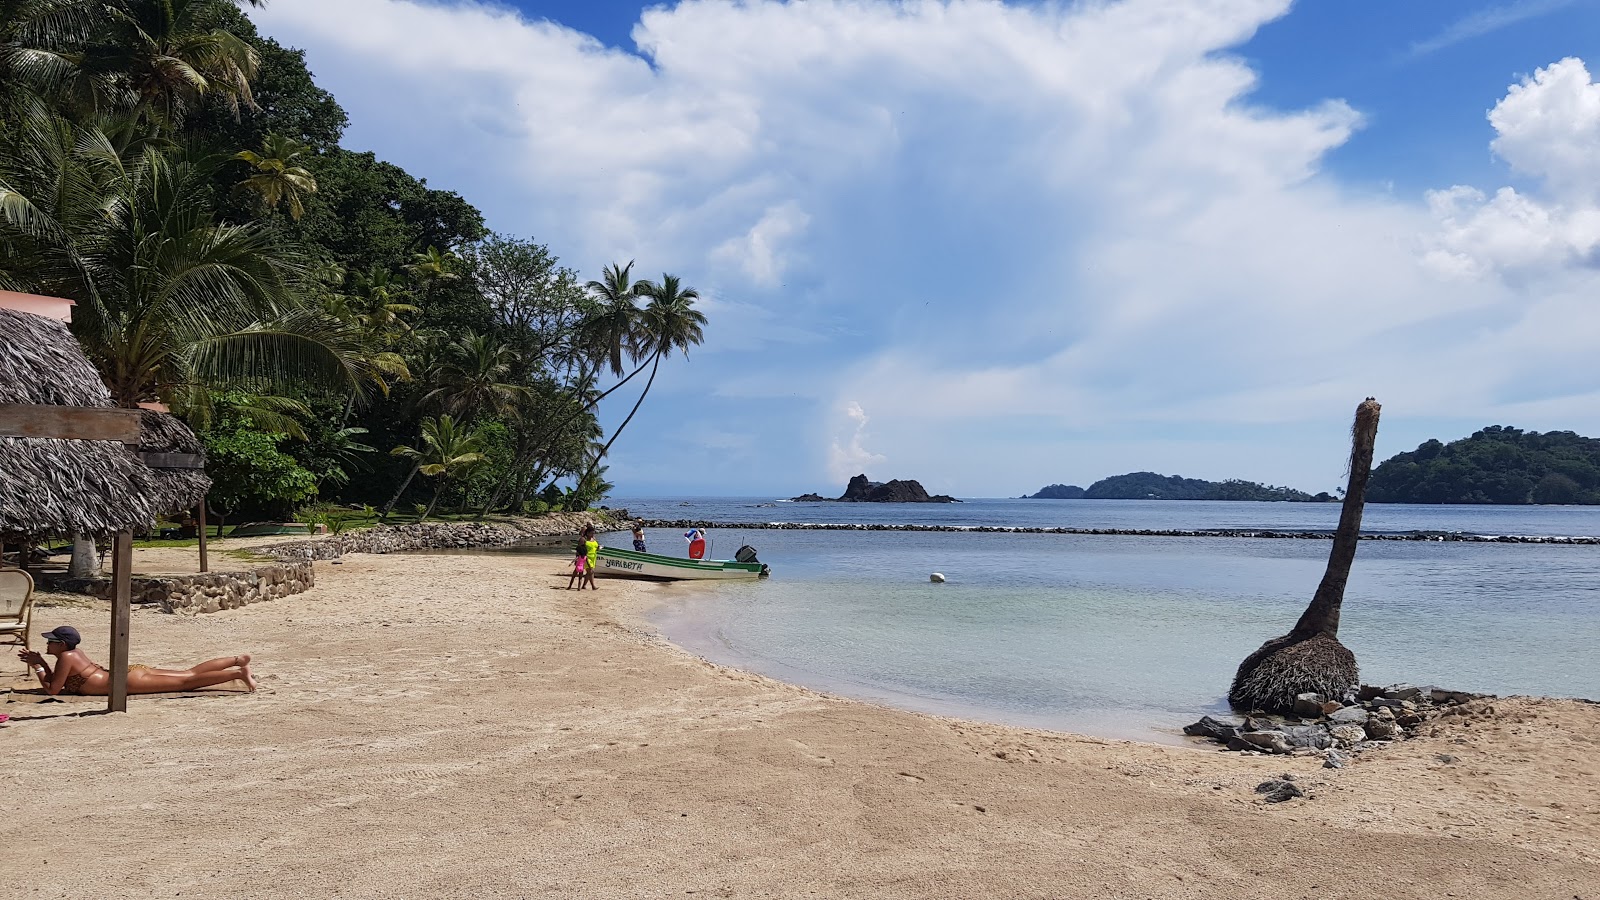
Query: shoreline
(435, 723)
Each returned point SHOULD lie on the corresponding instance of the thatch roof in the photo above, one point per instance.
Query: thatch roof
(55, 486)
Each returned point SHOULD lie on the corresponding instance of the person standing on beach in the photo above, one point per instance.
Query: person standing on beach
(638, 539)
(580, 565)
(591, 548)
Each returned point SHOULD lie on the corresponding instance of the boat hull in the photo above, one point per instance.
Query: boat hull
(617, 563)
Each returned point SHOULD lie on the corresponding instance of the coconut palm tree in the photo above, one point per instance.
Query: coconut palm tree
(477, 376)
(447, 452)
(614, 330)
(670, 322)
(171, 303)
(169, 60)
(278, 178)
(1310, 659)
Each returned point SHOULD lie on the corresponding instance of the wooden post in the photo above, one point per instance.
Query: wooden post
(205, 565)
(121, 606)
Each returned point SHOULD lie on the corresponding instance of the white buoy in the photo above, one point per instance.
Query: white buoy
(937, 578)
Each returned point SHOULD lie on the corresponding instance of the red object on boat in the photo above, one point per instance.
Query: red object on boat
(697, 547)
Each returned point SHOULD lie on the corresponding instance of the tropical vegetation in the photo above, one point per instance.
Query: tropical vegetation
(1498, 464)
(330, 325)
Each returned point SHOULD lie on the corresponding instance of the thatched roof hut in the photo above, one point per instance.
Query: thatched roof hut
(58, 486)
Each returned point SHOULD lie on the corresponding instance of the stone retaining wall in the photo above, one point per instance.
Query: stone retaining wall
(205, 592)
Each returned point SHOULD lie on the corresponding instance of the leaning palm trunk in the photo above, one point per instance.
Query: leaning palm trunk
(595, 464)
(389, 507)
(1310, 659)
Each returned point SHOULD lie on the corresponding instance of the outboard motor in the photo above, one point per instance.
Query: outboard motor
(746, 554)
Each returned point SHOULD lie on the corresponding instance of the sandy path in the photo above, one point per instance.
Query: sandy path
(459, 725)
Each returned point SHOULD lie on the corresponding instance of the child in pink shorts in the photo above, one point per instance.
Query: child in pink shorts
(580, 566)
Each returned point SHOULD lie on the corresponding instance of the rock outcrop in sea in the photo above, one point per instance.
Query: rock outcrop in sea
(860, 490)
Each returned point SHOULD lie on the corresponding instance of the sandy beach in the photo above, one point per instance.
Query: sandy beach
(434, 725)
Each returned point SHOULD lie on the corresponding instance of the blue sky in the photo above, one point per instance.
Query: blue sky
(996, 245)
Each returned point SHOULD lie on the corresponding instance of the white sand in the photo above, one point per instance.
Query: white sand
(461, 726)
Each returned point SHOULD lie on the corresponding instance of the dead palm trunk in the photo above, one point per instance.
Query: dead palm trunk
(1310, 659)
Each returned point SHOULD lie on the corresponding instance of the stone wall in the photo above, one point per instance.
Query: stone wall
(209, 591)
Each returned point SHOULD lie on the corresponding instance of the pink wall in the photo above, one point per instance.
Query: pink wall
(49, 307)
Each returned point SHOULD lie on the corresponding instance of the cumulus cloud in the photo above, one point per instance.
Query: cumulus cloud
(991, 222)
(1548, 127)
(849, 456)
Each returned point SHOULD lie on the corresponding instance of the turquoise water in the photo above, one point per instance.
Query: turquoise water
(1132, 636)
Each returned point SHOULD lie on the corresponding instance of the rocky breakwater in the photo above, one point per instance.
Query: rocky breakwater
(444, 535)
(1337, 729)
(1453, 536)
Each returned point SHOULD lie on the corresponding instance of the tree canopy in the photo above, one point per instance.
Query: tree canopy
(1498, 464)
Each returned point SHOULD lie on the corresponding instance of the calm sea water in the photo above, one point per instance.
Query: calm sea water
(1128, 636)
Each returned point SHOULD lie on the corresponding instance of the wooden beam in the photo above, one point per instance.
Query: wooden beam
(121, 606)
(172, 460)
(205, 564)
(78, 423)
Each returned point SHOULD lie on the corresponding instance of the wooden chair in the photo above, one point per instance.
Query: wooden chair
(16, 607)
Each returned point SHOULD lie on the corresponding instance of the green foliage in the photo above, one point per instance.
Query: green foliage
(1150, 486)
(1499, 464)
(250, 475)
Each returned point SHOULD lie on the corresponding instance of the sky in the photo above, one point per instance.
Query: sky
(993, 246)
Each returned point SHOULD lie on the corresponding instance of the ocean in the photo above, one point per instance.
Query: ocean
(1122, 636)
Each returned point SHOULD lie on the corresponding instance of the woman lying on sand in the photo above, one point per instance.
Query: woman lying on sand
(75, 673)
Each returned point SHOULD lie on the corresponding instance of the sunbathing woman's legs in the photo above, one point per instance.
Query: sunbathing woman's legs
(210, 672)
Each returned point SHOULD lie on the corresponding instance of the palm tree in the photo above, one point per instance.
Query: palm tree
(670, 322)
(447, 452)
(476, 376)
(1310, 659)
(277, 178)
(433, 265)
(615, 328)
(169, 60)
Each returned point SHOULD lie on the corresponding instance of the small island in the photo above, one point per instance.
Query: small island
(860, 490)
(1151, 486)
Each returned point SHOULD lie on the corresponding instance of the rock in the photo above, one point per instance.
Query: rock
(1315, 737)
(1331, 707)
(1368, 692)
(1277, 790)
(1379, 729)
(1392, 703)
(1349, 715)
(1270, 741)
(1333, 759)
(1212, 728)
(1446, 758)
(1347, 735)
(937, 578)
(809, 498)
(1403, 692)
(1308, 705)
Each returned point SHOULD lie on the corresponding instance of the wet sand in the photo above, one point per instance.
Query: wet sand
(462, 725)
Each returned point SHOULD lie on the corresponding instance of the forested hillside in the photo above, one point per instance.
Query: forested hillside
(333, 328)
(1499, 464)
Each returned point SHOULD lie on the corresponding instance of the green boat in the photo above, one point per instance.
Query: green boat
(618, 563)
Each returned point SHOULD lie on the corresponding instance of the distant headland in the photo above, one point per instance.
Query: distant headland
(1151, 486)
(1498, 465)
(860, 490)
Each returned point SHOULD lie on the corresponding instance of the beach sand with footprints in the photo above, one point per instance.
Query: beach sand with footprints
(436, 725)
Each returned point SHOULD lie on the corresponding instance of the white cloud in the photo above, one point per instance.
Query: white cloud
(975, 218)
(1484, 21)
(849, 456)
